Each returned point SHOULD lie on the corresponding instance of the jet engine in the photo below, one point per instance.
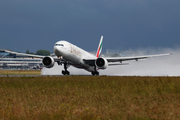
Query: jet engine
(48, 62)
(101, 63)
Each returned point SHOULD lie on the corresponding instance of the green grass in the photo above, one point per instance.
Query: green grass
(20, 72)
(90, 97)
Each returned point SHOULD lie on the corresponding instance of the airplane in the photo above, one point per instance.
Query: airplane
(69, 54)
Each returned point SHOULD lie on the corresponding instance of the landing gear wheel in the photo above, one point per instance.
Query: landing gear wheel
(95, 73)
(65, 72)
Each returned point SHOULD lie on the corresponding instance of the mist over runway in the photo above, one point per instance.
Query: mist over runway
(156, 66)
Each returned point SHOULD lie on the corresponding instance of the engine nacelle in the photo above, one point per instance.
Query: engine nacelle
(101, 63)
(48, 62)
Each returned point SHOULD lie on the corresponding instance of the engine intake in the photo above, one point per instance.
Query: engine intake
(101, 63)
(48, 62)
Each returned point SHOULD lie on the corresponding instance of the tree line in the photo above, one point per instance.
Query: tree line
(39, 52)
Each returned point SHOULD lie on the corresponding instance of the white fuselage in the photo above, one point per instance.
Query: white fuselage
(73, 54)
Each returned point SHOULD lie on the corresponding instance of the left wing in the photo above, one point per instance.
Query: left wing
(120, 59)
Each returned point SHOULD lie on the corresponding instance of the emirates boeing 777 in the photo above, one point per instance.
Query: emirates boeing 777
(69, 54)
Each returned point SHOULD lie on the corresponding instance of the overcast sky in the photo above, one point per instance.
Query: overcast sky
(125, 24)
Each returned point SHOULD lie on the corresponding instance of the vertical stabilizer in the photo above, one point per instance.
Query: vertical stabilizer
(99, 47)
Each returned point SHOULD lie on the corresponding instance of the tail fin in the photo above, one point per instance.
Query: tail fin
(99, 47)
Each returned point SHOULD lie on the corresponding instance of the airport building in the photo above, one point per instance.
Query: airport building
(14, 61)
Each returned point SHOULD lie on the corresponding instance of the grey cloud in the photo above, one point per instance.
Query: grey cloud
(124, 24)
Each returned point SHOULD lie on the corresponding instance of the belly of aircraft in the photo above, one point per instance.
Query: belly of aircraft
(76, 61)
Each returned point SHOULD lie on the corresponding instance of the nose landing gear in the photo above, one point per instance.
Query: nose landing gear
(65, 72)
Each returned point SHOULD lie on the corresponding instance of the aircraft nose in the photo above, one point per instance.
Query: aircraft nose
(56, 50)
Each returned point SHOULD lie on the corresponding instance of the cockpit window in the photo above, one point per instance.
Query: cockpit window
(59, 45)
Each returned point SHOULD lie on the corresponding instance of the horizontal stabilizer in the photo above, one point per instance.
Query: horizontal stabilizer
(118, 64)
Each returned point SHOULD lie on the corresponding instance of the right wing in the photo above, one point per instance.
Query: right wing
(58, 60)
(24, 54)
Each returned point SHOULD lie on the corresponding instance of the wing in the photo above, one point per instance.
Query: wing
(23, 54)
(58, 60)
(91, 62)
(120, 59)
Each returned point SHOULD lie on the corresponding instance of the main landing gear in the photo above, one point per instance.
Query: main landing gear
(95, 72)
(65, 72)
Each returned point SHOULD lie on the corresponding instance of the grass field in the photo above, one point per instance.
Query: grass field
(89, 97)
(20, 72)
